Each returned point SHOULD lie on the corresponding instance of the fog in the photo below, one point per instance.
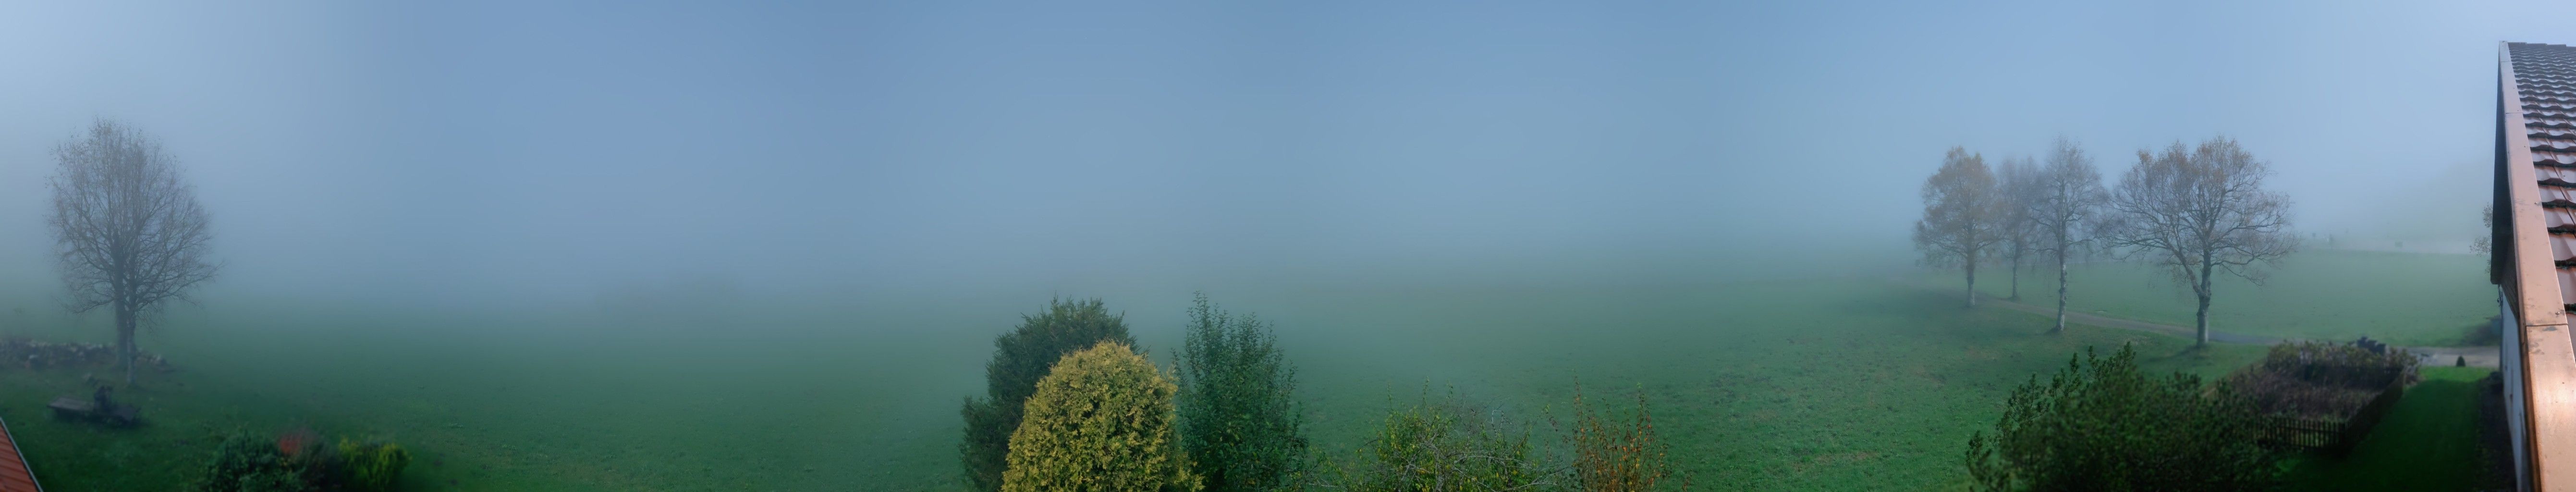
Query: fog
(843, 202)
(498, 151)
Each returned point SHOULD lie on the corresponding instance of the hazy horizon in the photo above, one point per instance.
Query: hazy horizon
(736, 246)
(504, 153)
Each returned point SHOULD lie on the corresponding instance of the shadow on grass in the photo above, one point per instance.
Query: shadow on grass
(2481, 334)
(2188, 353)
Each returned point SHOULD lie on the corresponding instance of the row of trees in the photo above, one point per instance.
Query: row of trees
(2198, 212)
(1072, 404)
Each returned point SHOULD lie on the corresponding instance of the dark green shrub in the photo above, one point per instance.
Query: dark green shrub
(2102, 424)
(1443, 446)
(1100, 421)
(1020, 359)
(246, 462)
(373, 465)
(1239, 421)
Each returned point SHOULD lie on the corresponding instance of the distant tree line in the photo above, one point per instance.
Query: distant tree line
(2197, 211)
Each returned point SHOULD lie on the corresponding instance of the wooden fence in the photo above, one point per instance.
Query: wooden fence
(2336, 437)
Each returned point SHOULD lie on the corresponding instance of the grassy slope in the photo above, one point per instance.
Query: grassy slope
(2402, 298)
(492, 410)
(2427, 443)
(1811, 385)
(1819, 384)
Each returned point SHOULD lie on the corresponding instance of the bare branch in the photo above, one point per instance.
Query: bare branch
(128, 231)
(2199, 212)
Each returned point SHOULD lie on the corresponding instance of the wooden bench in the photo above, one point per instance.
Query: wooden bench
(77, 408)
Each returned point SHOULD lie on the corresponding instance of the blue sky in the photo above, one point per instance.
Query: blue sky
(517, 149)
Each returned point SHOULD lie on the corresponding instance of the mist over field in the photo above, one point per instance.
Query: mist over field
(683, 247)
(561, 152)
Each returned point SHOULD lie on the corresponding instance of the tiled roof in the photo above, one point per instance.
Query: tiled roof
(2535, 256)
(14, 476)
(2545, 81)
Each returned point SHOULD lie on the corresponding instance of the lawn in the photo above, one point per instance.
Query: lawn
(1848, 382)
(2400, 298)
(2426, 443)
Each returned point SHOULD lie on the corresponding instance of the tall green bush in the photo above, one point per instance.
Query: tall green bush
(1100, 421)
(1239, 420)
(2102, 424)
(1020, 359)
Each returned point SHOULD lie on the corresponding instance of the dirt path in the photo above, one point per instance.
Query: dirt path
(2432, 356)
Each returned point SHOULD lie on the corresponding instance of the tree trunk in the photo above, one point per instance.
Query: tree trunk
(125, 340)
(2061, 289)
(2016, 275)
(1972, 281)
(2204, 319)
(2202, 324)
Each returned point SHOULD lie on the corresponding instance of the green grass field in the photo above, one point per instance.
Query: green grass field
(2418, 447)
(1839, 383)
(2400, 298)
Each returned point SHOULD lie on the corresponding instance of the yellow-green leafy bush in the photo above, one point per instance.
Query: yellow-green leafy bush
(1101, 420)
(372, 466)
(1020, 358)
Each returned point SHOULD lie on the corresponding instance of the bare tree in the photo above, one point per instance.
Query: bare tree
(2200, 212)
(127, 230)
(1960, 219)
(2019, 182)
(2069, 197)
(2484, 245)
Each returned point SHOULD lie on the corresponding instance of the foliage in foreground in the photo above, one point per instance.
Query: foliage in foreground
(1239, 421)
(1446, 445)
(1612, 455)
(1452, 445)
(2102, 424)
(1020, 359)
(2320, 379)
(297, 461)
(248, 463)
(1100, 421)
(373, 465)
